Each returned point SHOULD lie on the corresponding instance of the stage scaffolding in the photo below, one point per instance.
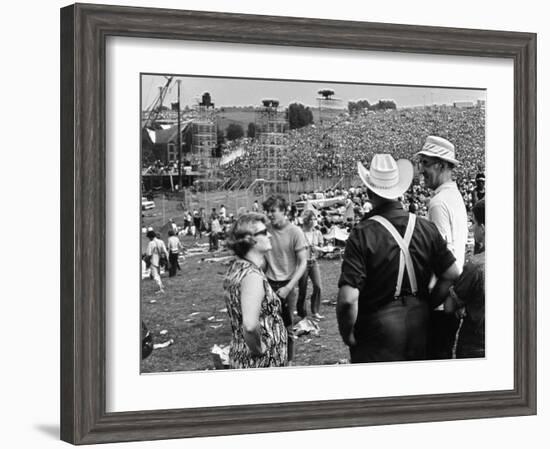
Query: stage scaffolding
(204, 141)
(271, 129)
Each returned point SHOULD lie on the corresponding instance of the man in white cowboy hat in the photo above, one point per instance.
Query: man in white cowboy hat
(446, 209)
(390, 256)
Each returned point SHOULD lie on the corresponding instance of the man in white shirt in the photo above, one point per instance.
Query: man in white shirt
(155, 249)
(223, 213)
(448, 212)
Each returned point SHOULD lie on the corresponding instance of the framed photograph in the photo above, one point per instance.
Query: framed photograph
(176, 124)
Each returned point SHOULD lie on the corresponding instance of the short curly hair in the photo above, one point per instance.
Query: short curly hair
(240, 236)
(479, 211)
(275, 201)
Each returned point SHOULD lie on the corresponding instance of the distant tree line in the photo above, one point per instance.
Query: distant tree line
(299, 116)
(355, 107)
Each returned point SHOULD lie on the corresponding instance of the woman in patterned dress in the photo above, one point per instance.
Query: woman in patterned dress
(259, 335)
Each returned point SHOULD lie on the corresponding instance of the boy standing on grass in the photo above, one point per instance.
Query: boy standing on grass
(286, 262)
(467, 296)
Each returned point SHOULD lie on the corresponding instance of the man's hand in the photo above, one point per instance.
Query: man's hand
(349, 340)
(283, 292)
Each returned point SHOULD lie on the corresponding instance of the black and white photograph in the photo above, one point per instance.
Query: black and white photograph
(307, 223)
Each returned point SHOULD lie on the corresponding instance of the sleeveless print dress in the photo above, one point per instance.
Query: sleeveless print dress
(272, 328)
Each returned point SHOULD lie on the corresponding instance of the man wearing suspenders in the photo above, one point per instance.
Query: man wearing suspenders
(390, 256)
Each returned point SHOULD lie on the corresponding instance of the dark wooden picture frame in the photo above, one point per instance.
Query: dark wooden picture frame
(84, 29)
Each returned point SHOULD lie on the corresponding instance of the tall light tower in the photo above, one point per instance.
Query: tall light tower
(180, 179)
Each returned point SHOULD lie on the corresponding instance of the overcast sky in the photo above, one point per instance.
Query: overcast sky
(244, 92)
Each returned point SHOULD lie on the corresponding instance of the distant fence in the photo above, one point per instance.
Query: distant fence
(241, 194)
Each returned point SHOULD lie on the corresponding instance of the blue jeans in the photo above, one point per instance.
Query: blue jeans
(312, 272)
(287, 306)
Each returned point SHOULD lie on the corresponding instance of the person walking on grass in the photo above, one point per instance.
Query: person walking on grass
(215, 230)
(174, 247)
(314, 240)
(155, 250)
(286, 261)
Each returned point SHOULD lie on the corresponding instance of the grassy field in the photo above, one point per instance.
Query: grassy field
(192, 313)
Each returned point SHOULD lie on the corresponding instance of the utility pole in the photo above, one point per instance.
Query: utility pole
(180, 180)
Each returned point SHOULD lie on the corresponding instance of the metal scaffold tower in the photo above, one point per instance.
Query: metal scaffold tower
(329, 106)
(271, 127)
(204, 137)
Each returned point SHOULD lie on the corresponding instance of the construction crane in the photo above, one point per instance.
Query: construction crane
(154, 110)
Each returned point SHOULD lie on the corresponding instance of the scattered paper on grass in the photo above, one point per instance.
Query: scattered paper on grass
(194, 313)
(216, 326)
(306, 326)
(189, 320)
(163, 345)
(153, 301)
(219, 320)
(220, 356)
(210, 318)
(223, 310)
(163, 332)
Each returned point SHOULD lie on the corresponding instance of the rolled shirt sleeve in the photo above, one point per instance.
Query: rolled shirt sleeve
(353, 267)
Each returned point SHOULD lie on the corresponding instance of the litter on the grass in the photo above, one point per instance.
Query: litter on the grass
(306, 326)
(163, 345)
(220, 356)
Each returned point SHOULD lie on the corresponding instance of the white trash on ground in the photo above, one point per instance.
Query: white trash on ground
(220, 356)
(163, 345)
(306, 326)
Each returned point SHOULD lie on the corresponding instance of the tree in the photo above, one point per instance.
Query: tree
(251, 132)
(299, 116)
(234, 131)
(355, 107)
(382, 105)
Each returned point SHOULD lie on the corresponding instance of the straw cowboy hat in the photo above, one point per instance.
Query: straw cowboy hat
(387, 178)
(440, 148)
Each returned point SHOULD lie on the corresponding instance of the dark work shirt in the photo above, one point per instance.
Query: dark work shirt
(371, 257)
(469, 291)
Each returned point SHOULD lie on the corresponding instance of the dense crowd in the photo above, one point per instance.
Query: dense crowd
(333, 149)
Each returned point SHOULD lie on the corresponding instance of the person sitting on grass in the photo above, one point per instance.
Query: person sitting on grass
(259, 336)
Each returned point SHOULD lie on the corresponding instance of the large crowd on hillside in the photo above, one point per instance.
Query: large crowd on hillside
(333, 148)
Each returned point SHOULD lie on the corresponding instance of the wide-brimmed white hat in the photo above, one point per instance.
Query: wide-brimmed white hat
(440, 148)
(386, 177)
